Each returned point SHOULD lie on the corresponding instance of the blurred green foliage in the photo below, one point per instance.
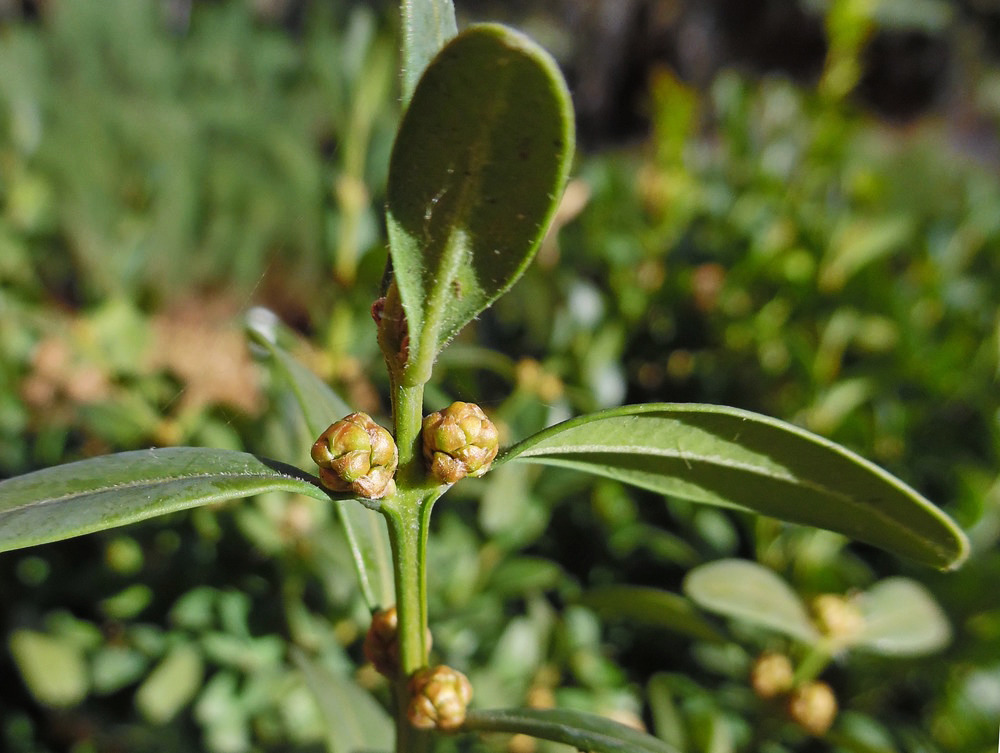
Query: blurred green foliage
(769, 246)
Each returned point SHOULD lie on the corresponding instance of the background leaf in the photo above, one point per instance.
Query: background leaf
(53, 668)
(114, 490)
(734, 458)
(427, 25)
(583, 731)
(355, 722)
(901, 619)
(365, 529)
(476, 172)
(650, 606)
(747, 591)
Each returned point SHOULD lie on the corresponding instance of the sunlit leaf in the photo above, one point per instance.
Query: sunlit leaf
(53, 668)
(744, 590)
(171, 685)
(114, 490)
(734, 458)
(427, 25)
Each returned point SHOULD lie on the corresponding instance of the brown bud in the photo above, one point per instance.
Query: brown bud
(813, 706)
(356, 455)
(439, 697)
(459, 441)
(772, 675)
(381, 645)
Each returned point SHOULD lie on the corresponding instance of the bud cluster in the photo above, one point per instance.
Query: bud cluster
(459, 441)
(811, 705)
(381, 646)
(357, 455)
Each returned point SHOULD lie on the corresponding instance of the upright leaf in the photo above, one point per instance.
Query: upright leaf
(365, 529)
(734, 458)
(427, 25)
(747, 591)
(114, 490)
(476, 173)
(582, 731)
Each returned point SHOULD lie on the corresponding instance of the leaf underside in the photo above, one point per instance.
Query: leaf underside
(737, 459)
(114, 490)
(476, 173)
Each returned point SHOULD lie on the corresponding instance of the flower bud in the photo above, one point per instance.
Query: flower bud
(381, 645)
(459, 441)
(772, 675)
(439, 697)
(356, 455)
(813, 706)
(837, 618)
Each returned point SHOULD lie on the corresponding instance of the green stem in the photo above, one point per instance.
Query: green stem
(813, 663)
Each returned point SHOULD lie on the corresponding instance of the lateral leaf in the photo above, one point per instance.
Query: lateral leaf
(734, 458)
(114, 490)
(581, 730)
(476, 173)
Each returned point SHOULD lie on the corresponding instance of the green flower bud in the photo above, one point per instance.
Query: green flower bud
(772, 675)
(439, 697)
(813, 706)
(357, 455)
(459, 441)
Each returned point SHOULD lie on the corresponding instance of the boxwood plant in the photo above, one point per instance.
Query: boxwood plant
(477, 169)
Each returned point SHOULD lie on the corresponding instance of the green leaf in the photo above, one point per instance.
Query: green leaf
(427, 25)
(53, 668)
(747, 591)
(354, 720)
(365, 529)
(476, 173)
(583, 731)
(901, 619)
(734, 458)
(651, 606)
(115, 490)
(171, 685)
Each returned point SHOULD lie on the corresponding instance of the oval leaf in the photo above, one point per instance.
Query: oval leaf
(747, 591)
(583, 731)
(365, 529)
(734, 458)
(476, 172)
(901, 619)
(114, 490)
(651, 606)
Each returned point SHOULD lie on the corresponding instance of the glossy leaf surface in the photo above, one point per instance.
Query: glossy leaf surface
(650, 606)
(583, 731)
(901, 619)
(114, 490)
(476, 172)
(734, 458)
(747, 591)
(427, 25)
(365, 529)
